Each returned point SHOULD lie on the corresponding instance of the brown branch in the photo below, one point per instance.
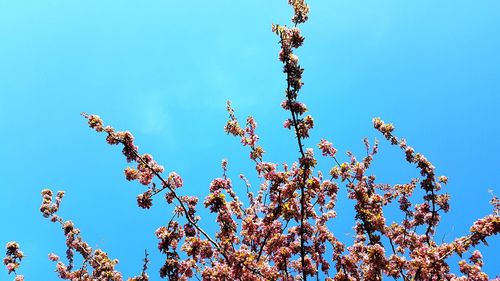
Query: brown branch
(302, 185)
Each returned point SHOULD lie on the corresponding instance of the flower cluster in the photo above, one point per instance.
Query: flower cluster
(48, 208)
(232, 126)
(327, 148)
(248, 135)
(473, 271)
(301, 10)
(144, 200)
(12, 260)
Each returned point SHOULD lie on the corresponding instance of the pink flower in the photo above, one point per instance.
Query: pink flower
(53, 257)
(144, 200)
(174, 180)
(327, 148)
(11, 267)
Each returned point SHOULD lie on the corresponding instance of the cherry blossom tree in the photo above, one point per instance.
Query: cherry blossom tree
(282, 229)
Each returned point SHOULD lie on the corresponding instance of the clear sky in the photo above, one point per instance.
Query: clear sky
(164, 69)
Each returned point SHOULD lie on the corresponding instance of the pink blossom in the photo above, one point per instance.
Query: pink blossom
(327, 148)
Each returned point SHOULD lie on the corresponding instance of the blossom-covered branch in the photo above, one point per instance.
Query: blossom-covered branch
(13, 258)
(103, 268)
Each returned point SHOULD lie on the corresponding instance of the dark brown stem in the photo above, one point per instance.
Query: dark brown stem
(429, 227)
(302, 185)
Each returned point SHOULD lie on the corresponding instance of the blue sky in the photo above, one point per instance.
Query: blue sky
(164, 69)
